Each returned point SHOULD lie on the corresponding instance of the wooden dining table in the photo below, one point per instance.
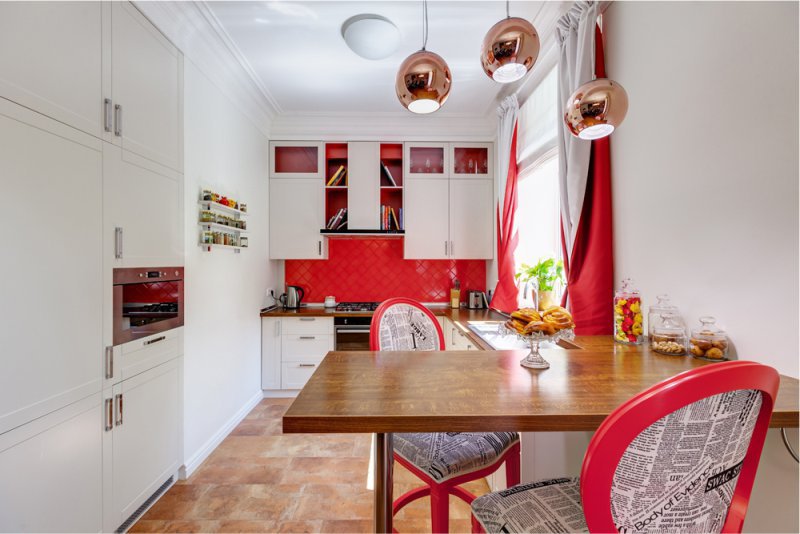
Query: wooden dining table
(482, 391)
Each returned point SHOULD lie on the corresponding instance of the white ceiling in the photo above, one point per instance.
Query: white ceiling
(296, 51)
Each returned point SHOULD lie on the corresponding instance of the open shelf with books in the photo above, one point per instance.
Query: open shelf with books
(391, 188)
(336, 186)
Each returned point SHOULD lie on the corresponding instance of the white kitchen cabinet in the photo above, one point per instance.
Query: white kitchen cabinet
(455, 338)
(364, 186)
(50, 471)
(141, 449)
(471, 221)
(471, 161)
(294, 375)
(426, 160)
(134, 357)
(297, 159)
(296, 213)
(270, 353)
(146, 79)
(143, 215)
(51, 60)
(426, 219)
(52, 333)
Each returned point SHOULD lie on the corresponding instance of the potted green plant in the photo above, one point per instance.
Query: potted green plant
(546, 272)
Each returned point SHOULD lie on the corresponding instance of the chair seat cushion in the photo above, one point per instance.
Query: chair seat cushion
(552, 505)
(444, 455)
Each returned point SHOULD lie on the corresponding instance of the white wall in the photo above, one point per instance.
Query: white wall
(224, 290)
(705, 181)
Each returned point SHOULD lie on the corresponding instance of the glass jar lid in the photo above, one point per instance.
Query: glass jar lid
(628, 290)
(663, 305)
(670, 324)
(708, 329)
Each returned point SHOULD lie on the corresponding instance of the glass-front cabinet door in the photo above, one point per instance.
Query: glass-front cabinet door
(296, 159)
(471, 160)
(426, 160)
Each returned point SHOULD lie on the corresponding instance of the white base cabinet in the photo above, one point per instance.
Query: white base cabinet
(270, 353)
(142, 447)
(292, 348)
(455, 338)
(50, 472)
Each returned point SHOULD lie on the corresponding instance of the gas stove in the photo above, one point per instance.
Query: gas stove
(357, 306)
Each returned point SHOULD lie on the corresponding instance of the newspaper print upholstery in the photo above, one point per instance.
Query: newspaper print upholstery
(678, 475)
(444, 455)
(552, 505)
(405, 327)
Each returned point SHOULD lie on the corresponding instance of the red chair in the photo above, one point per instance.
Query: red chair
(679, 457)
(444, 460)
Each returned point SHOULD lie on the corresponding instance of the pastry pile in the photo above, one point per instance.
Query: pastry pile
(526, 321)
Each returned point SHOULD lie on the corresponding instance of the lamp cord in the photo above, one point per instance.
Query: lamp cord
(508, 16)
(424, 24)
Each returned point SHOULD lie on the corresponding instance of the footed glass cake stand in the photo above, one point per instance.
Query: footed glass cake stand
(534, 359)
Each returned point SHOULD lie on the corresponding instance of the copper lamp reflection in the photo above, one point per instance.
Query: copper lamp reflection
(423, 82)
(509, 50)
(596, 108)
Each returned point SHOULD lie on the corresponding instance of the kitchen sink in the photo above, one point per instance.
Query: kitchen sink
(490, 332)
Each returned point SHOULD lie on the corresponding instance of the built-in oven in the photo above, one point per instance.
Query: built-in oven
(351, 333)
(146, 301)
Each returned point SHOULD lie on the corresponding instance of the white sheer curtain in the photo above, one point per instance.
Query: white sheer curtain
(575, 34)
(537, 133)
(507, 113)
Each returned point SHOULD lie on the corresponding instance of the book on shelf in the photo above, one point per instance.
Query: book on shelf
(337, 176)
(401, 219)
(340, 216)
(394, 219)
(342, 225)
(388, 174)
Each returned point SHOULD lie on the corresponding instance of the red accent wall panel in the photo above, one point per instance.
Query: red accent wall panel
(373, 269)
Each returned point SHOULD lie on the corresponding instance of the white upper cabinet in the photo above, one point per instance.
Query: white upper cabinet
(363, 186)
(296, 159)
(471, 221)
(143, 215)
(471, 160)
(146, 79)
(426, 219)
(296, 215)
(426, 160)
(52, 342)
(51, 60)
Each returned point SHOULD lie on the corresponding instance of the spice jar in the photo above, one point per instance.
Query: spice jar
(669, 335)
(628, 327)
(662, 307)
(206, 217)
(242, 241)
(708, 341)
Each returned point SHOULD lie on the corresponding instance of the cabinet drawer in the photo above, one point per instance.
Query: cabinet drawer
(294, 375)
(143, 354)
(308, 325)
(306, 347)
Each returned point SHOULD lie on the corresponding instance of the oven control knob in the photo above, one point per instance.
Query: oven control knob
(141, 275)
(176, 273)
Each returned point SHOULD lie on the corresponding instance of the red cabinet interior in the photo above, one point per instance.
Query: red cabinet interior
(392, 157)
(472, 160)
(426, 160)
(296, 159)
(335, 195)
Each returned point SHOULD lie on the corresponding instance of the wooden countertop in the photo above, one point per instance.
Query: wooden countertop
(461, 314)
(472, 391)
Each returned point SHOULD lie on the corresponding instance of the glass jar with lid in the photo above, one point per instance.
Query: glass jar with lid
(668, 335)
(708, 341)
(628, 328)
(662, 306)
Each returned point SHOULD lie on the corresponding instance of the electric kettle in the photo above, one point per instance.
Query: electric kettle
(291, 299)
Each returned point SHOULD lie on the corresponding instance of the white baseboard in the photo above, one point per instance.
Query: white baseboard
(280, 393)
(208, 447)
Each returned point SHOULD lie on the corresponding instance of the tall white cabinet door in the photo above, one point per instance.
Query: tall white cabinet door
(143, 200)
(51, 60)
(50, 472)
(145, 437)
(364, 186)
(52, 282)
(296, 213)
(146, 80)
(270, 353)
(426, 219)
(471, 228)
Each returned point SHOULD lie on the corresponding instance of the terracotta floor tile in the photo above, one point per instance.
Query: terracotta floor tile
(175, 526)
(238, 525)
(347, 525)
(300, 526)
(322, 470)
(242, 471)
(334, 501)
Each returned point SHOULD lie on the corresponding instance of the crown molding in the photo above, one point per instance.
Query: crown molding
(196, 32)
(390, 126)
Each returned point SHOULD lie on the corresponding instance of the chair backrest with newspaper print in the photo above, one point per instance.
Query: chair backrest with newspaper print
(403, 324)
(680, 473)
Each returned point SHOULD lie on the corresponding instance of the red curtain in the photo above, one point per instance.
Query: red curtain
(506, 292)
(590, 267)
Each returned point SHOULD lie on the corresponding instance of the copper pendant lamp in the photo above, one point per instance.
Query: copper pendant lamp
(423, 80)
(509, 49)
(596, 108)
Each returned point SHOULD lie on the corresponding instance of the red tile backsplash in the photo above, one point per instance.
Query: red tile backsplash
(373, 269)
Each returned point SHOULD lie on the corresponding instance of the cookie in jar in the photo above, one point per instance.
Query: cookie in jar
(669, 335)
(628, 324)
(708, 341)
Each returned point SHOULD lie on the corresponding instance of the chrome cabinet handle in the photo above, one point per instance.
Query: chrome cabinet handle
(118, 418)
(308, 318)
(453, 336)
(107, 114)
(109, 414)
(319, 248)
(118, 120)
(109, 362)
(306, 365)
(156, 340)
(445, 248)
(307, 337)
(118, 242)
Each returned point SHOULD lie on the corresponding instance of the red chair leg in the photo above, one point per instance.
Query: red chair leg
(409, 496)
(512, 466)
(476, 526)
(440, 510)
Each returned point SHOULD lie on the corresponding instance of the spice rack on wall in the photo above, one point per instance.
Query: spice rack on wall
(222, 222)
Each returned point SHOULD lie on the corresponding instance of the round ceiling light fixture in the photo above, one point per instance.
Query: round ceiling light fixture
(596, 108)
(509, 49)
(423, 80)
(371, 36)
